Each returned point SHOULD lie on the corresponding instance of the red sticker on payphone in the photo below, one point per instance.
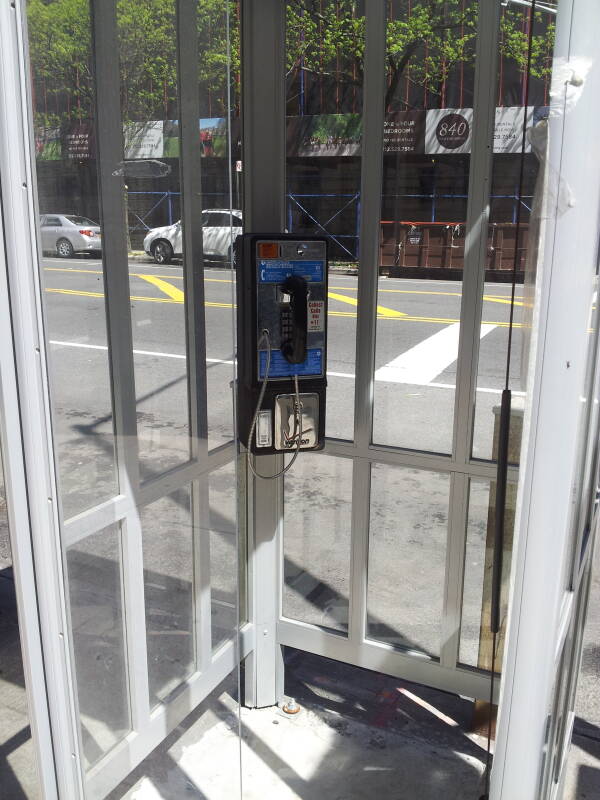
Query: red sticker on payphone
(268, 250)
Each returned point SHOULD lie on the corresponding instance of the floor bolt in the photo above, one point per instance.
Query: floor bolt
(291, 707)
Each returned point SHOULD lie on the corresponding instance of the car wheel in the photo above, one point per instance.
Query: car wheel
(64, 248)
(162, 252)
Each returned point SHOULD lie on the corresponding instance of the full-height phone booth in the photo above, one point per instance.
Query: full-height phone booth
(361, 424)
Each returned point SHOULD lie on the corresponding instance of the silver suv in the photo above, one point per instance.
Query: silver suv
(67, 234)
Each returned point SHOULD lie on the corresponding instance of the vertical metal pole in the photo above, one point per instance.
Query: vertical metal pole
(370, 195)
(109, 143)
(264, 156)
(30, 475)
(193, 276)
(368, 275)
(478, 211)
(433, 192)
(478, 207)
(357, 228)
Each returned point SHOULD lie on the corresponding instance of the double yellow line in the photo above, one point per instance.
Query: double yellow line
(175, 295)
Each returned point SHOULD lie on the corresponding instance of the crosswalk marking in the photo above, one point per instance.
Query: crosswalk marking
(420, 365)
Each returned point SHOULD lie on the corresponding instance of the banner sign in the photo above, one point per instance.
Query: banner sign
(433, 131)
(404, 132)
(143, 139)
(212, 137)
(324, 135)
(448, 130)
(508, 130)
(48, 144)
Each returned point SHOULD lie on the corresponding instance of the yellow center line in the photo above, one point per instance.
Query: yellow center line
(171, 291)
(152, 279)
(145, 299)
(352, 314)
(381, 310)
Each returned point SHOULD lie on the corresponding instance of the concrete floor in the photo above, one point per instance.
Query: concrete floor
(359, 734)
(18, 776)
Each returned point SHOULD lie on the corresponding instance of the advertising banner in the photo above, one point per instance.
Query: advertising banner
(448, 130)
(508, 130)
(404, 132)
(143, 139)
(77, 141)
(48, 144)
(324, 135)
(433, 131)
(212, 137)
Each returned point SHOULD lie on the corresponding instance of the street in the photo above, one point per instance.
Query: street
(417, 343)
(415, 375)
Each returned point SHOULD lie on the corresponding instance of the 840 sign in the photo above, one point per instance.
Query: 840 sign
(452, 131)
(448, 130)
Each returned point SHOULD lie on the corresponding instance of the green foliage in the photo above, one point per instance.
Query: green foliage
(61, 59)
(426, 40)
(324, 37)
(59, 45)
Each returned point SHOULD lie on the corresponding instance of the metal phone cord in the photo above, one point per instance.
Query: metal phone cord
(297, 415)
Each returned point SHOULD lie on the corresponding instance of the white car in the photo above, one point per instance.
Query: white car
(219, 230)
(67, 234)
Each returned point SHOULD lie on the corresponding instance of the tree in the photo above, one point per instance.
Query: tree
(426, 41)
(61, 59)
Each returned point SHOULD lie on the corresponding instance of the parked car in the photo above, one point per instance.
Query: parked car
(67, 234)
(219, 230)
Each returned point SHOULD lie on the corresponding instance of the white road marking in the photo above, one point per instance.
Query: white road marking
(419, 365)
(138, 352)
(349, 375)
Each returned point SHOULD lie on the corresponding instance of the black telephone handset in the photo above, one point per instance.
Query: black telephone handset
(294, 319)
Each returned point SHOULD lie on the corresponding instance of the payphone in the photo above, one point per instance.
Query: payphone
(282, 342)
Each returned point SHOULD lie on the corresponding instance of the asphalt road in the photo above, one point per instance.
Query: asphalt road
(415, 375)
(417, 341)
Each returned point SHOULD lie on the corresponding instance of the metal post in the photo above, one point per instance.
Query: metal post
(478, 210)
(109, 142)
(433, 192)
(543, 607)
(368, 277)
(193, 276)
(30, 476)
(264, 155)
(484, 109)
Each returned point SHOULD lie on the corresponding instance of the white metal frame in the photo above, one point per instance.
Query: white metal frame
(27, 408)
(15, 485)
(263, 143)
(556, 366)
(548, 609)
(51, 537)
(357, 648)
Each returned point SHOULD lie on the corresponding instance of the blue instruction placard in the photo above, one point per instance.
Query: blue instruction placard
(277, 270)
(280, 368)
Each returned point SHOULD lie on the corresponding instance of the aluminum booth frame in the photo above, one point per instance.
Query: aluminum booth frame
(550, 574)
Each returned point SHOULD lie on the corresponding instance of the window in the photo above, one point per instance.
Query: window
(82, 221)
(217, 219)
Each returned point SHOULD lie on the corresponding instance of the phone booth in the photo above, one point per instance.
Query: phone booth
(289, 519)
